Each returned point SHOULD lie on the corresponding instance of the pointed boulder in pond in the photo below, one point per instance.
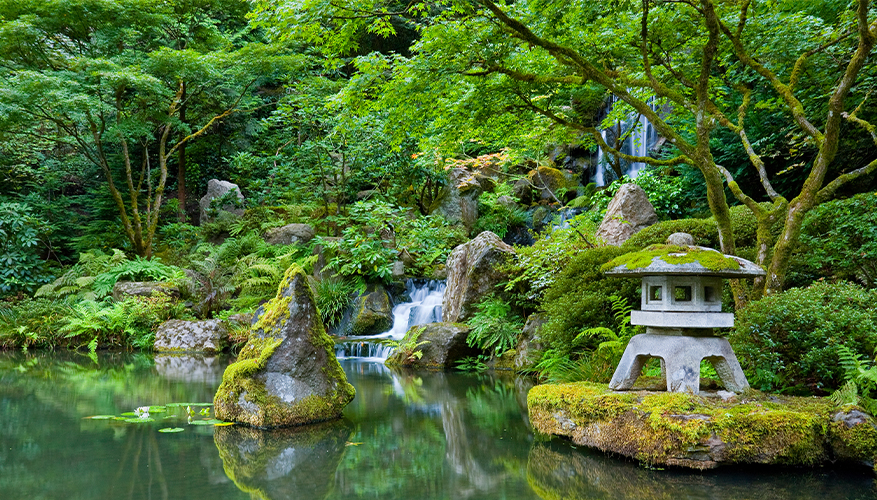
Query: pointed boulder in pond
(287, 373)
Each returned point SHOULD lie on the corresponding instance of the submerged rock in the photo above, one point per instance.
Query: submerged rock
(627, 214)
(685, 430)
(443, 345)
(203, 336)
(287, 374)
(282, 462)
(473, 272)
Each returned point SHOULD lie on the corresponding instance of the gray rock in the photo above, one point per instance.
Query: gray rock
(628, 213)
(459, 200)
(290, 234)
(680, 239)
(507, 201)
(372, 312)
(123, 289)
(398, 269)
(419, 315)
(203, 336)
(445, 345)
(287, 374)
(473, 272)
(217, 189)
(530, 341)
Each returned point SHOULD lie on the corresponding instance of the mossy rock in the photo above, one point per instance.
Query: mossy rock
(674, 255)
(287, 374)
(373, 312)
(698, 432)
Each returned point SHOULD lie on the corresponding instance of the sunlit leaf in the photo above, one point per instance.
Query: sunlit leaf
(171, 429)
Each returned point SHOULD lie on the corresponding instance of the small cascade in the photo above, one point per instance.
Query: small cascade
(638, 143)
(424, 306)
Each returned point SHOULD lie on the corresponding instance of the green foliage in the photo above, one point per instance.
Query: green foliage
(96, 273)
(579, 297)
(839, 241)
(477, 364)
(407, 348)
(210, 286)
(130, 323)
(536, 267)
(667, 193)
(33, 322)
(21, 269)
(613, 342)
(789, 341)
(703, 230)
(494, 328)
(332, 296)
(498, 217)
(860, 374)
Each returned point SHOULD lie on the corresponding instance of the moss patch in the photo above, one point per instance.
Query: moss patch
(674, 255)
(700, 432)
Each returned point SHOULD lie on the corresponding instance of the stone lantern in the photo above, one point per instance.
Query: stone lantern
(681, 305)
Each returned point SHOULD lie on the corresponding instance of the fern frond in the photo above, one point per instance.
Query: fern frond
(848, 394)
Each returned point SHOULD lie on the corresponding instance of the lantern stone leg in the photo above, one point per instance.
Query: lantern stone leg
(681, 356)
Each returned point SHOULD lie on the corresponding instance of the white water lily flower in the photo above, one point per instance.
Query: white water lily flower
(142, 411)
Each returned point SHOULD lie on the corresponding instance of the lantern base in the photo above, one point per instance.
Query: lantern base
(680, 357)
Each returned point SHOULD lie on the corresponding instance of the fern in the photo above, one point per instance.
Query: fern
(861, 379)
(493, 327)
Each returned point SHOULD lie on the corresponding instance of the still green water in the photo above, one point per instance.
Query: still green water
(406, 436)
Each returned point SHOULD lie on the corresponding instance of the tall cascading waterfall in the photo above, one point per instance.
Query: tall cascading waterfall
(641, 140)
(424, 306)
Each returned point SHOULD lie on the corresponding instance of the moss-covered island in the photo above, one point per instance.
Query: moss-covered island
(677, 429)
(287, 374)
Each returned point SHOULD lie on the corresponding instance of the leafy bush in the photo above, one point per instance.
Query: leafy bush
(497, 217)
(839, 240)
(33, 322)
(129, 324)
(580, 296)
(703, 230)
(536, 267)
(494, 328)
(96, 273)
(666, 193)
(789, 341)
(21, 269)
(332, 297)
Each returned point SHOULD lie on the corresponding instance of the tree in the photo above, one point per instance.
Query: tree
(708, 64)
(113, 81)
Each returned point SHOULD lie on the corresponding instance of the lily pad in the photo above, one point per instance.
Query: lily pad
(130, 414)
(172, 429)
(211, 421)
(157, 409)
(139, 420)
(169, 405)
(223, 424)
(102, 417)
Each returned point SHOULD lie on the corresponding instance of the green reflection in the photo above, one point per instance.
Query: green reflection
(280, 463)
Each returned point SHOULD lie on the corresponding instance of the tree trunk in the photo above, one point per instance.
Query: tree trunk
(181, 164)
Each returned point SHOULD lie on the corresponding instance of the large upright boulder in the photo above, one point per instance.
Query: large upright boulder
(287, 374)
(372, 312)
(628, 213)
(473, 272)
(217, 189)
(459, 200)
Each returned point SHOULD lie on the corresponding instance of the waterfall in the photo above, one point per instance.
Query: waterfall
(641, 140)
(424, 306)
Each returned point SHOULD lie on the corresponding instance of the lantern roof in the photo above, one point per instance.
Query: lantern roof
(682, 260)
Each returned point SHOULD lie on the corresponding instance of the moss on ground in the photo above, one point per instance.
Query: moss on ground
(701, 432)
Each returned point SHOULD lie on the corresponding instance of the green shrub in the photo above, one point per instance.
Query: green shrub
(332, 297)
(703, 230)
(535, 268)
(33, 322)
(580, 296)
(495, 328)
(788, 341)
(21, 269)
(496, 217)
(839, 240)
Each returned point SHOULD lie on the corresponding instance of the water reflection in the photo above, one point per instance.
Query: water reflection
(191, 367)
(278, 463)
(556, 470)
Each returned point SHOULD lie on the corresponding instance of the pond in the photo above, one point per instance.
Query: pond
(406, 435)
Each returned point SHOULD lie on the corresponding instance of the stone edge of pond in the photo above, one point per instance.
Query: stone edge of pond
(705, 432)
